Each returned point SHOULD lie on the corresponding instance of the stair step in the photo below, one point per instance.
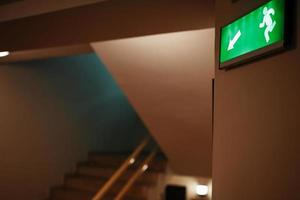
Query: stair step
(92, 169)
(109, 161)
(61, 193)
(85, 183)
(70, 194)
(92, 174)
(92, 184)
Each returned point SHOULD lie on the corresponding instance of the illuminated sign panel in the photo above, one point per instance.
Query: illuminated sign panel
(263, 27)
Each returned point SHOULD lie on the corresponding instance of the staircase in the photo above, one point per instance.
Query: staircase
(91, 175)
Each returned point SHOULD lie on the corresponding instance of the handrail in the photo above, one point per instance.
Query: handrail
(129, 161)
(142, 168)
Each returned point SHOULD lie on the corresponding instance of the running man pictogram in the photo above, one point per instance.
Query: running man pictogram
(268, 22)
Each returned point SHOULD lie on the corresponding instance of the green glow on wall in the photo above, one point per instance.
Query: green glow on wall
(256, 30)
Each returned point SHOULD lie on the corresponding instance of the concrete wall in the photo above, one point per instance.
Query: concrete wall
(52, 113)
(256, 139)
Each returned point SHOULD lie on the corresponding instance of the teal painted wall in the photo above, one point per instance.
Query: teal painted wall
(92, 100)
(52, 113)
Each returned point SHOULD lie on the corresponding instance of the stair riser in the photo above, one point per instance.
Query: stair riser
(61, 194)
(73, 195)
(156, 165)
(147, 178)
(93, 187)
(91, 175)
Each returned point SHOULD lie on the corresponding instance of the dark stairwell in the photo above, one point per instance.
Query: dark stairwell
(53, 113)
(92, 174)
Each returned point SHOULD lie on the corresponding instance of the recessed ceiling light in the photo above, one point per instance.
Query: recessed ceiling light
(4, 53)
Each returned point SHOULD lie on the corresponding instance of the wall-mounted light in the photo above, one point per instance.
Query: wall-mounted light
(4, 53)
(202, 190)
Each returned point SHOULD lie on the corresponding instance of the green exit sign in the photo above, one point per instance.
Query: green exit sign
(253, 35)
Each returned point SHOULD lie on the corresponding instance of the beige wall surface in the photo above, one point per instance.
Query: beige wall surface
(256, 133)
(112, 19)
(168, 80)
(38, 54)
(26, 8)
(52, 113)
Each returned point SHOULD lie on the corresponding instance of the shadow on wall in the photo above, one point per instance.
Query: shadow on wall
(52, 113)
(91, 99)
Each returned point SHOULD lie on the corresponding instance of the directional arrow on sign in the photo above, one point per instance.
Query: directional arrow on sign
(234, 40)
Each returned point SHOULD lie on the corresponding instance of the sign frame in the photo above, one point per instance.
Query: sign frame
(261, 52)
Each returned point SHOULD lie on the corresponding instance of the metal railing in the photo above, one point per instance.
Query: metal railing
(119, 172)
(142, 168)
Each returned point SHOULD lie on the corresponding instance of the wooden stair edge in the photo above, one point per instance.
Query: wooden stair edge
(73, 187)
(95, 164)
(159, 155)
(94, 180)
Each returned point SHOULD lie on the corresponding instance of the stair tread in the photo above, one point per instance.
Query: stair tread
(92, 174)
(63, 193)
(155, 165)
(97, 179)
(159, 155)
(150, 177)
(92, 184)
(59, 193)
(93, 164)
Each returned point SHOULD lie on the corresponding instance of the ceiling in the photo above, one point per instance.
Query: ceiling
(25, 55)
(5, 2)
(15, 9)
(32, 24)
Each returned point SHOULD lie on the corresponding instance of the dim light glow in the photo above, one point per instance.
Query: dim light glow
(145, 167)
(4, 53)
(202, 190)
(131, 161)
